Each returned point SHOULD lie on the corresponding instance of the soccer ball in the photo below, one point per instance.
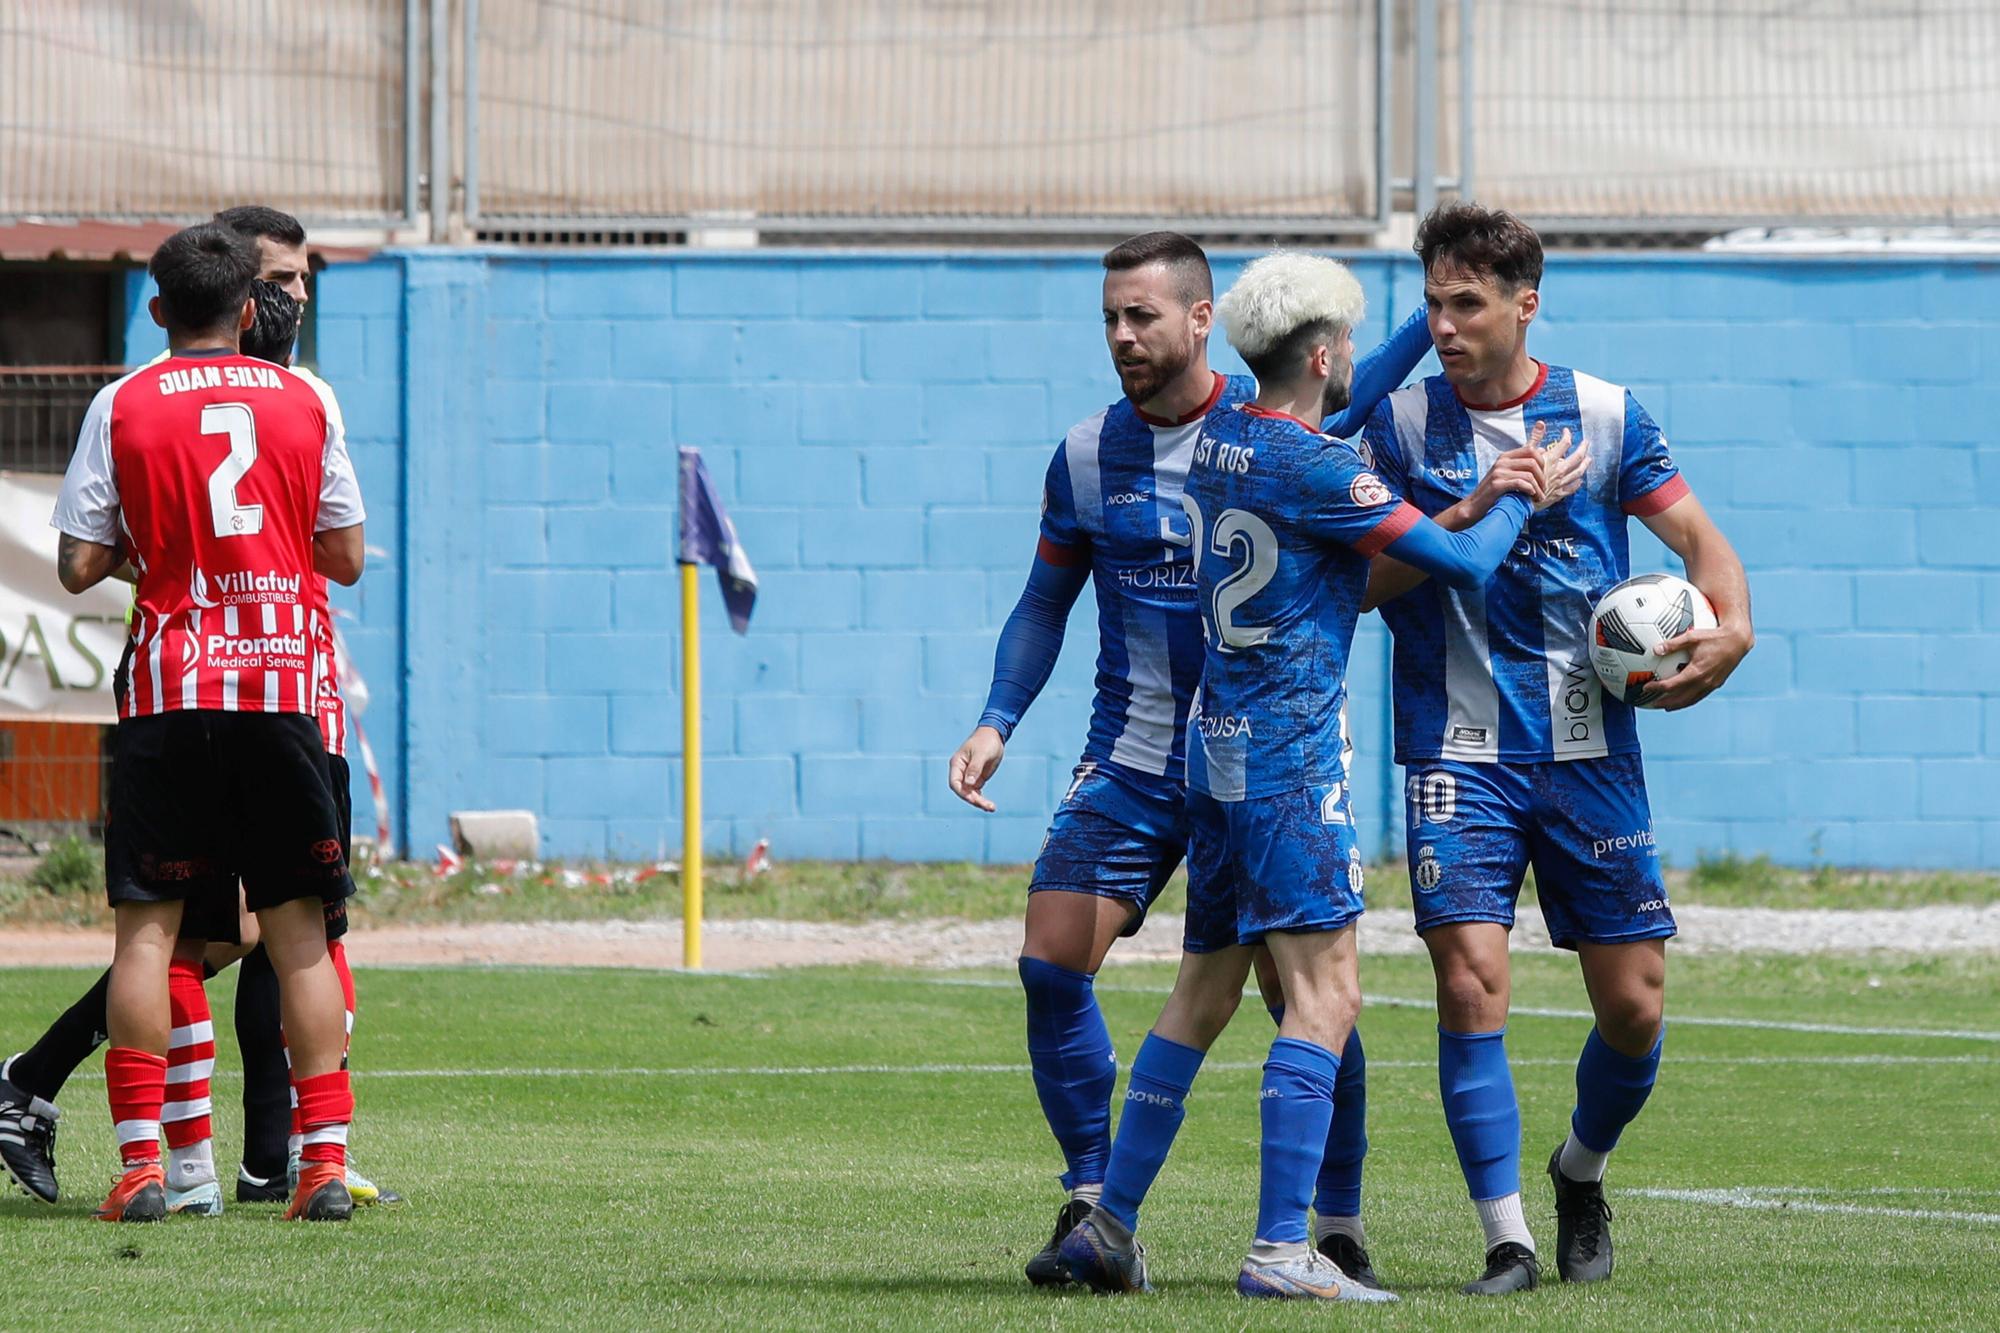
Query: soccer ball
(1634, 618)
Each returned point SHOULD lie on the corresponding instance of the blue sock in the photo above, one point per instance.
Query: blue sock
(1338, 1193)
(1611, 1087)
(1481, 1111)
(1296, 1107)
(1075, 1067)
(1154, 1105)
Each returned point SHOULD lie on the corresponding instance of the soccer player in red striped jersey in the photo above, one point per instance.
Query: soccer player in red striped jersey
(225, 483)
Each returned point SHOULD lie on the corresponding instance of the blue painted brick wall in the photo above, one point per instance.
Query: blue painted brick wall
(879, 426)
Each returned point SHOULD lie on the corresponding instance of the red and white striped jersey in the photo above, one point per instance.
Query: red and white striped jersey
(327, 670)
(214, 471)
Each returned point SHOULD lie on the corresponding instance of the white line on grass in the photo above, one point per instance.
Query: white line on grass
(1227, 1066)
(1523, 1011)
(1792, 1202)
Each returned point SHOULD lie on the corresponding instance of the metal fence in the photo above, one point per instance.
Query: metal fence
(927, 115)
(1656, 114)
(143, 109)
(41, 412)
(887, 118)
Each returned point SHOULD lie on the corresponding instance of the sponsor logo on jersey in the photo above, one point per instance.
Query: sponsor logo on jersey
(1367, 491)
(1452, 473)
(198, 589)
(1624, 842)
(1224, 728)
(1468, 735)
(270, 645)
(1176, 575)
(1579, 684)
(1652, 905)
(1554, 548)
(1129, 498)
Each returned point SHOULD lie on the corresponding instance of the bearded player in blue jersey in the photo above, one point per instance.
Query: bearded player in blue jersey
(1112, 515)
(1282, 521)
(1514, 755)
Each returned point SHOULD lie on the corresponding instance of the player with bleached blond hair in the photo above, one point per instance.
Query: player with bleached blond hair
(1284, 523)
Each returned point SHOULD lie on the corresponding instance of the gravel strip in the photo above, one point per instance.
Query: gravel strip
(748, 945)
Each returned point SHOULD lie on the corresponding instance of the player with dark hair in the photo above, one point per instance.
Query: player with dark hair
(1515, 756)
(31, 1081)
(1283, 521)
(226, 484)
(1111, 516)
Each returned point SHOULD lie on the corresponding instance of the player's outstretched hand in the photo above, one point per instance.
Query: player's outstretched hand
(1563, 467)
(976, 761)
(1714, 655)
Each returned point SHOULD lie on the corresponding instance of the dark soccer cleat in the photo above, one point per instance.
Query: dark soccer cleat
(1351, 1259)
(28, 1141)
(140, 1195)
(1104, 1256)
(1509, 1268)
(254, 1189)
(1046, 1269)
(1583, 1226)
(322, 1195)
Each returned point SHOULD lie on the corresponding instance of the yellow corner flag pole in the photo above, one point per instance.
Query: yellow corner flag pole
(690, 768)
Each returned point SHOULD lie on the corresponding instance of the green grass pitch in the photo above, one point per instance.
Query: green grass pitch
(849, 1148)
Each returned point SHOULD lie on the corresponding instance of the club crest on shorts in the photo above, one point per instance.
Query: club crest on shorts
(1428, 870)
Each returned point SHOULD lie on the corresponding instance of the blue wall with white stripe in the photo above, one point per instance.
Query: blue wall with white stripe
(879, 424)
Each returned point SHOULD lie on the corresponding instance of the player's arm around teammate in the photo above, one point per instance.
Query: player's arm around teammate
(223, 725)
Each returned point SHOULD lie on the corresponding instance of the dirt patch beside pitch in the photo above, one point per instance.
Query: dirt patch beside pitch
(756, 945)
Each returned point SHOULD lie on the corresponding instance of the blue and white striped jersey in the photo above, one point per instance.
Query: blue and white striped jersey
(1113, 497)
(1503, 673)
(1284, 521)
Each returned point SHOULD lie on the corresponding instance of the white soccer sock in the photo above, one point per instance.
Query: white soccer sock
(1274, 1252)
(1581, 1163)
(1091, 1194)
(1502, 1221)
(191, 1166)
(1349, 1227)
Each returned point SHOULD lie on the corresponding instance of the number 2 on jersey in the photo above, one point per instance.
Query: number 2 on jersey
(235, 421)
(1234, 527)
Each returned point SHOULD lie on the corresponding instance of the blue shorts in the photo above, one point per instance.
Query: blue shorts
(1289, 862)
(1117, 835)
(1583, 824)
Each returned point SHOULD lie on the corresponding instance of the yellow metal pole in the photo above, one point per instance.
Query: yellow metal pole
(690, 768)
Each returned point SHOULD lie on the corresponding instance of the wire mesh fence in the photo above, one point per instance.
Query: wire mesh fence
(1642, 113)
(927, 114)
(136, 109)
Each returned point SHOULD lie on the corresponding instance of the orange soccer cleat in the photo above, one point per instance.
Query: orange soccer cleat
(322, 1194)
(140, 1195)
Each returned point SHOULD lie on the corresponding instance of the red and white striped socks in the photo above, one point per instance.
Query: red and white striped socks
(187, 1112)
(302, 1134)
(137, 1084)
(326, 1106)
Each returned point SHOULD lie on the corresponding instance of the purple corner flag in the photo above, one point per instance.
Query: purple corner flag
(709, 538)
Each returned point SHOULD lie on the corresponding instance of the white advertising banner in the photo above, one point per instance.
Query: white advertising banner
(57, 652)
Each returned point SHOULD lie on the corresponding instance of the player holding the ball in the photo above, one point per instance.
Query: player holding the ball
(1514, 755)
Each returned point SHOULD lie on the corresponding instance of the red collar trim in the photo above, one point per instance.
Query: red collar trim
(1541, 378)
(1257, 411)
(1214, 396)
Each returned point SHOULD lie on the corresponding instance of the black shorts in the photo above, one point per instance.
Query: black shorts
(202, 798)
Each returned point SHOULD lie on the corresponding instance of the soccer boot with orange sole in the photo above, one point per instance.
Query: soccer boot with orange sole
(140, 1195)
(322, 1194)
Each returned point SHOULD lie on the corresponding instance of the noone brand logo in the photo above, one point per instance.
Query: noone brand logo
(1129, 498)
(1149, 1098)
